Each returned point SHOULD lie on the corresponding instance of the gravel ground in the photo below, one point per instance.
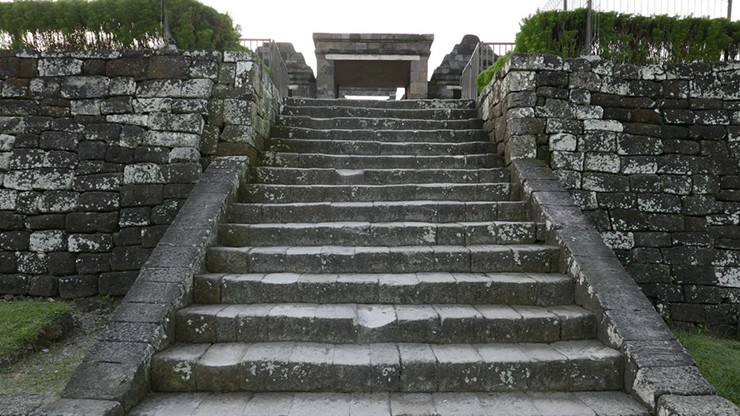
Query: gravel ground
(40, 378)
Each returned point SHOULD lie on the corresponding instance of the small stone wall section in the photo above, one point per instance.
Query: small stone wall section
(98, 151)
(652, 156)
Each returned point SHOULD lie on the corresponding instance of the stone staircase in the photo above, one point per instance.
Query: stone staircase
(379, 263)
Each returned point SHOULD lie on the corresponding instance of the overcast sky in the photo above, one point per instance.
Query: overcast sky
(296, 20)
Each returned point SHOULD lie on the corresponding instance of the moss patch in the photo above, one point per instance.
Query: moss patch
(718, 360)
(25, 325)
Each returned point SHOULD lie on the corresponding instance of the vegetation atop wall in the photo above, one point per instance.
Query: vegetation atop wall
(627, 38)
(113, 24)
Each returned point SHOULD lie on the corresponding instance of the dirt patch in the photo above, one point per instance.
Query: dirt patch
(39, 378)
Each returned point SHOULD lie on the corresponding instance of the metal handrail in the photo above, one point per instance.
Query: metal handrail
(269, 53)
(484, 55)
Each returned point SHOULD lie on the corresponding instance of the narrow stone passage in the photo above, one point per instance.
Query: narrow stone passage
(379, 263)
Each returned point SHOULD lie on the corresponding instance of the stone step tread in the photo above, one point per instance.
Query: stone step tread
(378, 211)
(541, 289)
(387, 367)
(383, 259)
(374, 323)
(272, 174)
(436, 135)
(408, 113)
(377, 123)
(409, 161)
(372, 147)
(395, 104)
(381, 233)
(606, 403)
(265, 192)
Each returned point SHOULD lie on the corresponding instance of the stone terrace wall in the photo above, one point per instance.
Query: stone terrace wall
(652, 155)
(98, 150)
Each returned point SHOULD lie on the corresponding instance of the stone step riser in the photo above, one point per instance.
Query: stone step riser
(320, 160)
(349, 147)
(375, 176)
(364, 324)
(384, 368)
(398, 136)
(354, 123)
(388, 211)
(388, 234)
(473, 259)
(420, 114)
(389, 104)
(369, 193)
(396, 289)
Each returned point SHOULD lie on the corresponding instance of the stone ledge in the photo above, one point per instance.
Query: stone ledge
(656, 365)
(115, 375)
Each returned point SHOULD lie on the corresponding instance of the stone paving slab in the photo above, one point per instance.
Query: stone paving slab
(377, 123)
(393, 404)
(351, 111)
(385, 211)
(391, 104)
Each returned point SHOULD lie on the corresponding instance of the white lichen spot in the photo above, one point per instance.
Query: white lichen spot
(184, 369)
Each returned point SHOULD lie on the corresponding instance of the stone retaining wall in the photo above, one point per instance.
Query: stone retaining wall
(652, 156)
(98, 151)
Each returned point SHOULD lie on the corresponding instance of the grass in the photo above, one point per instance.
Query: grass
(718, 360)
(24, 324)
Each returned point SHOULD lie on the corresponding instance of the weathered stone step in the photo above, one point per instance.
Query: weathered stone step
(404, 136)
(372, 323)
(367, 147)
(382, 259)
(605, 403)
(366, 233)
(536, 289)
(267, 174)
(321, 160)
(395, 104)
(313, 367)
(350, 123)
(356, 193)
(380, 211)
(366, 112)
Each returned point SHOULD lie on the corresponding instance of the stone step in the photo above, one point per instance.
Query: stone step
(530, 289)
(604, 403)
(329, 176)
(351, 123)
(388, 233)
(367, 147)
(418, 367)
(383, 259)
(358, 193)
(380, 211)
(366, 112)
(373, 323)
(404, 136)
(322, 160)
(394, 104)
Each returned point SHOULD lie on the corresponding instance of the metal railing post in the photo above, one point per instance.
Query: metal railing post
(729, 9)
(589, 28)
(565, 5)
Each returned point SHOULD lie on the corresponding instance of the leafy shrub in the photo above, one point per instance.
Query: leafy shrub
(113, 24)
(485, 77)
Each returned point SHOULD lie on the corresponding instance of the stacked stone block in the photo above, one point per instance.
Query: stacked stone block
(652, 155)
(98, 150)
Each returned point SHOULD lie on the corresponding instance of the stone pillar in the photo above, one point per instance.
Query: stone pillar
(418, 85)
(325, 86)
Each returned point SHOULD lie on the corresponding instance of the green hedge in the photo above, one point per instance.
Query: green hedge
(113, 24)
(626, 38)
(630, 38)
